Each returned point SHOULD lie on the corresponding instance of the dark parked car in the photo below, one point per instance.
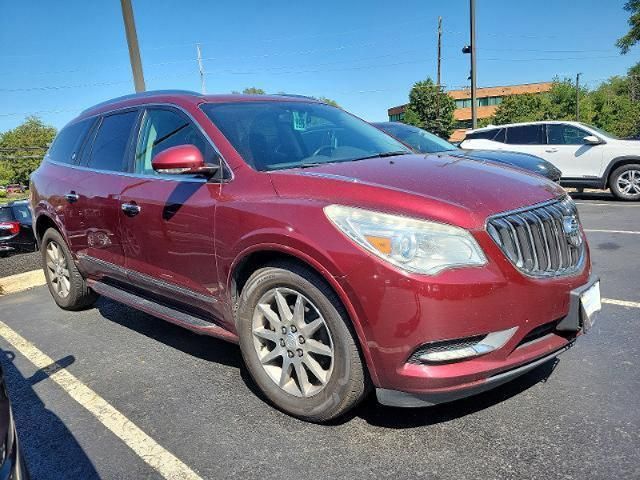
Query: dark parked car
(16, 232)
(339, 260)
(422, 141)
(12, 466)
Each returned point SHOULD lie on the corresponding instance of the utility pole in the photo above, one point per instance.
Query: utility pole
(472, 28)
(132, 42)
(578, 97)
(439, 48)
(201, 68)
(439, 59)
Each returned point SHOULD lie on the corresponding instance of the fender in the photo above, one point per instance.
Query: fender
(313, 260)
(45, 209)
(615, 163)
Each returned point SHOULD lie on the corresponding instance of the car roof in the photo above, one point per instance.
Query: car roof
(186, 98)
(494, 127)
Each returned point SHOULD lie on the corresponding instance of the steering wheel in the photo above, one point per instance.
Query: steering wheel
(323, 148)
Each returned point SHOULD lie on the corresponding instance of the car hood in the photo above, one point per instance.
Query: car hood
(443, 187)
(520, 160)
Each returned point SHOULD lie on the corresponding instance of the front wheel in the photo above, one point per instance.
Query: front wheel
(625, 182)
(298, 345)
(67, 286)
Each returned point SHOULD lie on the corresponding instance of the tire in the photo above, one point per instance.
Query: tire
(625, 182)
(340, 382)
(70, 292)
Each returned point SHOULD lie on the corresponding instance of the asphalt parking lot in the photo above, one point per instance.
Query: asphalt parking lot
(579, 418)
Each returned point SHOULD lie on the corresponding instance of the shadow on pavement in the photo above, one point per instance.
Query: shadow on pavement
(50, 449)
(599, 196)
(389, 417)
(200, 346)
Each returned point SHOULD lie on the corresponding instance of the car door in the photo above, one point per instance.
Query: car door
(528, 138)
(169, 228)
(567, 150)
(104, 163)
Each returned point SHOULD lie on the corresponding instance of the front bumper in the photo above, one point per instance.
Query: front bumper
(398, 313)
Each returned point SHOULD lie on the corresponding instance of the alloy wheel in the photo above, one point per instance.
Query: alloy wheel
(293, 342)
(629, 182)
(58, 269)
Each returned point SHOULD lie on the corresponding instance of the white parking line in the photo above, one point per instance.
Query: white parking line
(592, 230)
(600, 204)
(621, 303)
(160, 459)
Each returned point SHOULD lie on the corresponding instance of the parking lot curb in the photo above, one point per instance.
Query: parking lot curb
(21, 281)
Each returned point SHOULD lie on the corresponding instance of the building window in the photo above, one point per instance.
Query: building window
(483, 102)
(495, 100)
(396, 117)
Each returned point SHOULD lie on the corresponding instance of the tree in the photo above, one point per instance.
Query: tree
(328, 101)
(520, 108)
(633, 35)
(253, 91)
(17, 148)
(430, 108)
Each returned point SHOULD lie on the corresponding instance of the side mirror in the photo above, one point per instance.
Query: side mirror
(592, 140)
(182, 159)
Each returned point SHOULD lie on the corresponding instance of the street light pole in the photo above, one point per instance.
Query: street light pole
(472, 15)
(132, 42)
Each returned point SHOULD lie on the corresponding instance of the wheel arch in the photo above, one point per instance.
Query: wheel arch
(618, 162)
(252, 259)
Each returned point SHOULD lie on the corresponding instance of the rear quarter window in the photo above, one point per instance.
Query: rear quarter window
(67, 144)
(481, 135)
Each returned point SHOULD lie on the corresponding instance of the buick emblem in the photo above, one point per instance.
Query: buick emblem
(571, 230)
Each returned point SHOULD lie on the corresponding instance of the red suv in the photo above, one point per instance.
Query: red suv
(336, 258)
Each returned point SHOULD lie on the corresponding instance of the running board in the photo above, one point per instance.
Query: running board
(191, 322)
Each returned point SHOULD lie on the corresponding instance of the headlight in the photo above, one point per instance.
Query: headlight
(418, 246)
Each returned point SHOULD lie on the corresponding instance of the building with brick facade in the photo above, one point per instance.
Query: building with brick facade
(488, 99)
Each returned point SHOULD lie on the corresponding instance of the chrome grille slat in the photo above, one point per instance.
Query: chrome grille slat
(535, 241)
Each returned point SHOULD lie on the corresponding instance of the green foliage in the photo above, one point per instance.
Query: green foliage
(328, 101)
(3, 194)
(633, 35)
(21, 161)
(430, 108)
(253, 91)
(613, 106)
(6, 172)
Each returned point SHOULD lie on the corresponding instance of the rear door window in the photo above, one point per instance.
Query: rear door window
(163, 129)
(111, 142)
(525, 135)
(66, 146)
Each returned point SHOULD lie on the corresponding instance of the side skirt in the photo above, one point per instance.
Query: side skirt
(172, 315)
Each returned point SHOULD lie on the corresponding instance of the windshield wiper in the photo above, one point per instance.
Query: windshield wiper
(383, 155)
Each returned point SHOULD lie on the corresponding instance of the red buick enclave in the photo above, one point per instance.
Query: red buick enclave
(336, 258)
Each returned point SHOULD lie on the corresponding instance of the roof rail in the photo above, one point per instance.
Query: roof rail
(149, 93)
(295, 95)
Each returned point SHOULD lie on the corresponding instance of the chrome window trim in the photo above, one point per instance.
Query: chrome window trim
(223, 162)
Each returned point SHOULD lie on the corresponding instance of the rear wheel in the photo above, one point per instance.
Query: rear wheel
(625, 182)
(297, 343)
(68, 288)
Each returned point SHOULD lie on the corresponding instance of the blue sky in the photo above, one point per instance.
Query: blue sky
(60, 57)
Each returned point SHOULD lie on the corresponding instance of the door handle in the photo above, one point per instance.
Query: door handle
(72, 197)
(551, 150)
(130, 209)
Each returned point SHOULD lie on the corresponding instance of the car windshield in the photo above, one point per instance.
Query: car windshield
(273, 135)
(21, 212)
(600, 131)
(419, 140)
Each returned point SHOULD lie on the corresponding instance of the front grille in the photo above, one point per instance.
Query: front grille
(538, 332)
(543, 240)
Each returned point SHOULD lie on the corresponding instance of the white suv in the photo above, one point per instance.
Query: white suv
(587, 156)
